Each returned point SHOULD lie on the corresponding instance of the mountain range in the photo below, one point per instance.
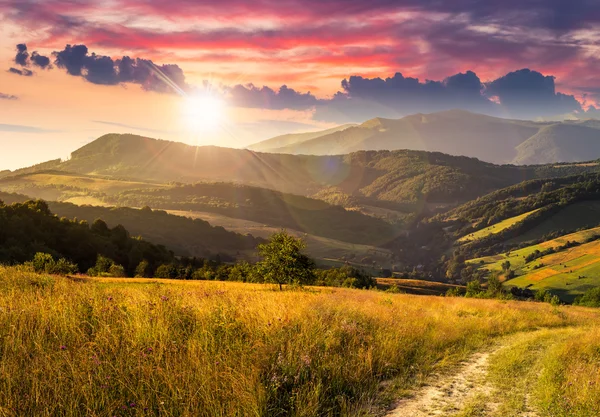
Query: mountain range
(455, 132)
(404, 181)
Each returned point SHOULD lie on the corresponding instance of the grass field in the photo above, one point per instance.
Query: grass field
(496, 228)
(135, 347)
(517, 257)
(567, 273)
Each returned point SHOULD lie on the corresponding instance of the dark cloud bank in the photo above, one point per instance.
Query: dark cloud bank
(524, 94)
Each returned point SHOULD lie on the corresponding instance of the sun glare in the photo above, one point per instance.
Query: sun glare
(203, 113)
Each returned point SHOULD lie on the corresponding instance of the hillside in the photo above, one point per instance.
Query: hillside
(30, 227)
(454, 132)
(282, 141)
(458, 132)
(568, 142)
(184, 236)
(408, 183)
(566, 266)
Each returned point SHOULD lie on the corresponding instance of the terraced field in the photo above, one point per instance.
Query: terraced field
(496, 228)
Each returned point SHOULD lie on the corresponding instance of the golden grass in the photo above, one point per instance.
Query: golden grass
(135, 347)
(570, 381)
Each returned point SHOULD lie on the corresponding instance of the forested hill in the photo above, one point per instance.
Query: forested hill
(182, 235)
(29, 228)
(380, 178)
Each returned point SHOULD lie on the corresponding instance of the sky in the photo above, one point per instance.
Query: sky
(73, 70)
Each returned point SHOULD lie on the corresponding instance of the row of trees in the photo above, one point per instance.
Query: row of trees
(283, 262)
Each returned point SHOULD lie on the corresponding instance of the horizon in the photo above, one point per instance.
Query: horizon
(69, 74)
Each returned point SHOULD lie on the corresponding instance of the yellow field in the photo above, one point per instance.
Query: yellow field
(127, 347)
(496, 228)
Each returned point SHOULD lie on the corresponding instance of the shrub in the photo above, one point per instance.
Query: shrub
(44, 262)
(591, 298)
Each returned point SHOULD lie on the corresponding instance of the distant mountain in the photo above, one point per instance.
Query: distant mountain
(280, 142)
(458, 132)
(565, 142)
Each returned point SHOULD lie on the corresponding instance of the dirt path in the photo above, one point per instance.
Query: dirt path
(454, 393)
(449, 393)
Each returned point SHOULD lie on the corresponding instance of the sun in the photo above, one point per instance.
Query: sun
(203, 113)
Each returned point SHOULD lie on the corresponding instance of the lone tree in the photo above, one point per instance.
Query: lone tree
(283, 261)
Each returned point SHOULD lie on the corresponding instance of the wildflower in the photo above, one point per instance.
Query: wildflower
(132, 405)
(149, 350)
(63, 347)
(164, 298)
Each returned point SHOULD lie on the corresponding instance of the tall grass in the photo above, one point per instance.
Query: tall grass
(569, 385)
(133, 348)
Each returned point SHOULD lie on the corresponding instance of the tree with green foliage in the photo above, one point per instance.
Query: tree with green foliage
(44, 262)
(143, 270)
(591, 298)
(283, 261)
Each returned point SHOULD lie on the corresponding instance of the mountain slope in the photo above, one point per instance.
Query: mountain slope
(454, 132)
(405, 182)
(566, 142)
(186, 237)
(270, 145)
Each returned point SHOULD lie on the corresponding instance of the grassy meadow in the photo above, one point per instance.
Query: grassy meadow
(496, 228)
(567, 273)
(141, 347)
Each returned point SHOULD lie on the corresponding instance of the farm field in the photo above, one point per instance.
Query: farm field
(161, 347)
(496, 228)
(568, 273)
(517, 257)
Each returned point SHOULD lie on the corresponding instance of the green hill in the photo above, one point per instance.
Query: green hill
(406, 182)
(30, 227)
(184, 236)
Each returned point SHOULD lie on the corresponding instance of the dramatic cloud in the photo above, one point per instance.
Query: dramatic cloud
(40, 60)
(22, 55)
(527, 93)
(24, 59)
(24, 72)
(265, 97)
(8, 97)
(424, 39)
(103, 70)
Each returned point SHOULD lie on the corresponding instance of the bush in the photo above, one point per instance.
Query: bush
(116, 271)
(591, 298)
(143, 270)
(44, 262)
(166, 271)
(105, 267)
